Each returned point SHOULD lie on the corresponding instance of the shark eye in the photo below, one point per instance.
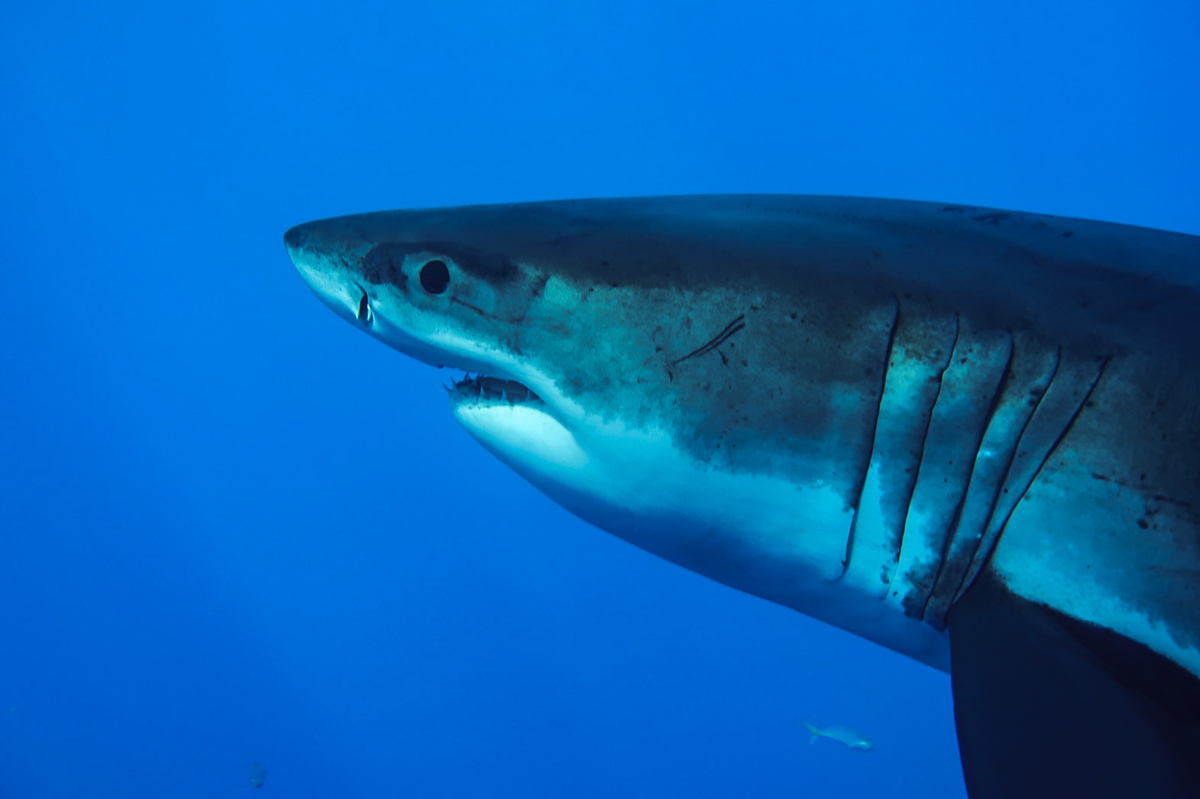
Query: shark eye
(435, 276)
(364, 309)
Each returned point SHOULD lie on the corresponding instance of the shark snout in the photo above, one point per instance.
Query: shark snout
(294, 241)
(318, 269)
(304, 261)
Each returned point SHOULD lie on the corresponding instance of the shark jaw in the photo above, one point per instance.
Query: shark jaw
(507, 417)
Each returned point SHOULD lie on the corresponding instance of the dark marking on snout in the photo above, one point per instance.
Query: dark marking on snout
(383, 265)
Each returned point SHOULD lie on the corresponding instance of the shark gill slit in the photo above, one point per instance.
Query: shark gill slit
(924, 445)
(952, 536)
(883, 375)
(966, 577)
(1078, 410)
(1017, 484)
(922, 343)
(1066, 428)
(959, 471)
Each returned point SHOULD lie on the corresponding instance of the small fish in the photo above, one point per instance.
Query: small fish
(843, 735)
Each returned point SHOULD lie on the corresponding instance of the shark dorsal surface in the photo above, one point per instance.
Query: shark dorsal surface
(968, 435)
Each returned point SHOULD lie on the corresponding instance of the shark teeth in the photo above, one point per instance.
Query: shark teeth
(482, 388)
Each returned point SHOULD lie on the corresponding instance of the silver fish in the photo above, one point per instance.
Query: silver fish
(851, 739)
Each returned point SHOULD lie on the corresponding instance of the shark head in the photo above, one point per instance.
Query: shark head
(638, 384)
(417, 287)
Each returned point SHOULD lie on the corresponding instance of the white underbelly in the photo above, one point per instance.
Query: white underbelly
(762, 534)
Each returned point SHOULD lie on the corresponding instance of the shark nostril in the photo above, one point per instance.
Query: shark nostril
(364, 310)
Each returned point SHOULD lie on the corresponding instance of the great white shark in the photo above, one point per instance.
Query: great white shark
(971, 436)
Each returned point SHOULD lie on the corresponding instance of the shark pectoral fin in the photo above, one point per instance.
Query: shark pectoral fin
(1048, 706)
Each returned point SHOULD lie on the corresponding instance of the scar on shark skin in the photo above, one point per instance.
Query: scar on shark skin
(731, 328)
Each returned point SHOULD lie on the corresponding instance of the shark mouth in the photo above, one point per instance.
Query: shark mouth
(482, 390)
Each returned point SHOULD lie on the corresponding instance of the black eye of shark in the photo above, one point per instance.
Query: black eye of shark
(435, 277)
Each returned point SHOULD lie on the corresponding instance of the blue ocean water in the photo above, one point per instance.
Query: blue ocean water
(236, 531)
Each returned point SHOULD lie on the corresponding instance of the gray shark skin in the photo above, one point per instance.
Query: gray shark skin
(957, 432)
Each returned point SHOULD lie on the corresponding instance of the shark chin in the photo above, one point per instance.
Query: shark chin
(512, 423)
(968, 435)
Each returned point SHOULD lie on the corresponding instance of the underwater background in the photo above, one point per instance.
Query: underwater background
(245, 550)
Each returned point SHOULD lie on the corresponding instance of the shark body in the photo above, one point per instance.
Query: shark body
(960, 433)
